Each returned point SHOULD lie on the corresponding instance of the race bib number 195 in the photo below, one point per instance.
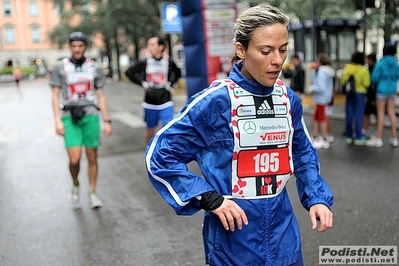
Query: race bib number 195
(263, 162)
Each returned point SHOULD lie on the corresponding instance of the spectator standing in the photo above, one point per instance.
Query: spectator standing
(156, 74)
(322, 92)
(355, 104)
(296, 73)
(370, 108)
(386, 75)
(77, 87)
(247, 135)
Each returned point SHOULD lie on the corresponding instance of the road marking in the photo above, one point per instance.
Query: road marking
(129, 119)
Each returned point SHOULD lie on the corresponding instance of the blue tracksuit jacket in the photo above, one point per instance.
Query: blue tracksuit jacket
(203, 132)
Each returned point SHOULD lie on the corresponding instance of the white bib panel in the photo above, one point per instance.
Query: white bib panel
(262, 161)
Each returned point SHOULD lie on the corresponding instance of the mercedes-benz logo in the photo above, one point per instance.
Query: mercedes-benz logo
(249, 127)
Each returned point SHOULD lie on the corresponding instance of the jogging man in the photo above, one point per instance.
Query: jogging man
(77, 96)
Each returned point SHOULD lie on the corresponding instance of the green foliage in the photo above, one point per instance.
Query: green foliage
(118, 22)
(137, 18)
(384, 16)
(303, 9)
(5, 70)
(26, 71)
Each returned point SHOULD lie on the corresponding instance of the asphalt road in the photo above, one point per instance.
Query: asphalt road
(39, 226)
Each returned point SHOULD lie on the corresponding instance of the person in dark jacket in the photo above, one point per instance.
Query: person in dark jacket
(370, 107)
(156, 74)
(296, 73)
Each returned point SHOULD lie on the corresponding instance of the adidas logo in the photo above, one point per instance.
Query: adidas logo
(265, 109)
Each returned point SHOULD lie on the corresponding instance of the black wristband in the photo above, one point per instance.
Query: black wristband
(108, 121)
(211, 200)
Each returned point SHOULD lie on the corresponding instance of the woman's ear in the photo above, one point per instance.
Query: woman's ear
(240, 52)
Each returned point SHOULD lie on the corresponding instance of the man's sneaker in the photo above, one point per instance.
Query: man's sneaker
(360, 142)
(394, 142)
(74, 194)
(321, 144)
(348, 140)
(94, 201)
(374, 142)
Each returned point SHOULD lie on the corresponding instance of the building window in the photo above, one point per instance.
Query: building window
(347, 41)
(7, 9)
(35, 33)
(9, 33)
(33, 8)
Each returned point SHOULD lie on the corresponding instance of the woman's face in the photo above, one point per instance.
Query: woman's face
(266, 53)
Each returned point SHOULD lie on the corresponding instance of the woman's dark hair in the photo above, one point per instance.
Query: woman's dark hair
(372, 57)
(389, 49)
(161, 41)
(77, 36)
(324, 59)
(358, 58)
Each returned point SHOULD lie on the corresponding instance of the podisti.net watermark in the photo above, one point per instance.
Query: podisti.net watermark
(358, 255)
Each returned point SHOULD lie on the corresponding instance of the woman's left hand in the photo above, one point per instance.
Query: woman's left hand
(323, 213)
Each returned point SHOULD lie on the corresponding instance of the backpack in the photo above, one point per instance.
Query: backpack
(349, 88)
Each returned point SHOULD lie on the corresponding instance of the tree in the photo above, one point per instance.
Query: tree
(383, 16)
(117, 22)
(303, 9)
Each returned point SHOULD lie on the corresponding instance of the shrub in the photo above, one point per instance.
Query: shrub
(5, 70)
(26, 71)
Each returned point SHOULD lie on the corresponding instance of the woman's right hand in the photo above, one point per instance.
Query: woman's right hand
(230, 213)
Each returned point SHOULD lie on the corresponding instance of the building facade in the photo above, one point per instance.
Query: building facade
(24, 28)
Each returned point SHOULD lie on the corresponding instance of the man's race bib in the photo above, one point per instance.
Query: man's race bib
(80, 81)
(157, 72)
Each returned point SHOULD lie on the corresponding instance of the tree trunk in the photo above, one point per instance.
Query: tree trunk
(137, 48)
(117, 55)
(109, 54)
